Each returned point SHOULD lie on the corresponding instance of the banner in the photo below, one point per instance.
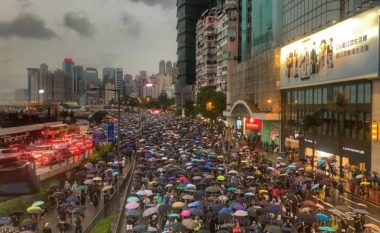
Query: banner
(253, 124)
(345, 51)
(111, 132)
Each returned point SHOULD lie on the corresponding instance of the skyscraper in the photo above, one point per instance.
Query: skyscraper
(188, 13)
(119, 82)
(76, 79)
(33, 84)
(59, 85)
(169, 68)
(91, 78)
(44, 84)
(108, 75)
(68, 65)
(161, 68)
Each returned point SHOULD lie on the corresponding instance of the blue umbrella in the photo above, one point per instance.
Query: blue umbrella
(322, 217)
(195, 204)
(64, 205)
(225, 211)
(72, 199)
(115, 164)
(321, 162)
(115, 173)
(315, 186)
(5, 220)
(273, 208)
(196, 211)
(292, 166)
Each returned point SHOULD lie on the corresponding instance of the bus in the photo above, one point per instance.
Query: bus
(17, 177)
(55, 131)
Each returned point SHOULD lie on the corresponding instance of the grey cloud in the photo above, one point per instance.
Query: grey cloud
(26, 26)
(6, 61)
(165, 4)
(24, 3)
(131, 24)
(79, 23)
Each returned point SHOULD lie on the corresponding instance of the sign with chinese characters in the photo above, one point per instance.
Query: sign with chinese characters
(253, 124)
(348, 50)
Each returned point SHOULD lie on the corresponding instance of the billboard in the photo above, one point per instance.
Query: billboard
(253, 124)
(345, 51)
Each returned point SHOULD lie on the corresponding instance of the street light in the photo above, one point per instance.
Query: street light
(117, 91)
(209, 106)
(41, 92)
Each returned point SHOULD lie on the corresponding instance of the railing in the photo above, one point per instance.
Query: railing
(113, 202)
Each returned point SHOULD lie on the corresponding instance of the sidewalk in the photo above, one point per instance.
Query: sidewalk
(52, 216)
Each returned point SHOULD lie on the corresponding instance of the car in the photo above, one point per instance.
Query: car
(47, 158)
(8, 154)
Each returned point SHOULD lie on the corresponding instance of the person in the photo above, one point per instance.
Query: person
(46, 228)
(236, 228)
(74, 187)
(78, 224)
(358, 224)
(62, 226)
(344, 226)
(95, 199)
(67, 185)
(83, 198)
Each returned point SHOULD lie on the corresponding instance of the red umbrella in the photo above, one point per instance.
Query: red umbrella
(182, 178)
(276, 192)
(309, 203)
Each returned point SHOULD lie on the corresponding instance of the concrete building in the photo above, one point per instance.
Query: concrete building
(33, 84)
(227, 46)
(188, 13)
(109, 95)
(91, 78)
(59, 89)
(108, 75)
(21, 96)
(206, 59)
(169, 68)
(129, 84)
(68, 65)
(161, 67)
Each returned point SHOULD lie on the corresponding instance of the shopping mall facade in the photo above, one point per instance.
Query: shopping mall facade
(335, 70)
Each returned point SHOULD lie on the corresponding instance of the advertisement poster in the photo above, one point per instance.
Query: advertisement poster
(253, 124)
(347, 50)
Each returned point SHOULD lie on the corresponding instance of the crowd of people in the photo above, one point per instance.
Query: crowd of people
(194, 176)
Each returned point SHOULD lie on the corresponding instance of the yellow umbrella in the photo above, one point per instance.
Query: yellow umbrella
(308, 168)
(365, 183)
(153, 183)
(257, 172)
(178, 205)
(34, 210)
(220, 178)
(263, 191)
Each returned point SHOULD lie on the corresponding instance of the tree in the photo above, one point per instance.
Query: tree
(98, 116)
(310, 125)
(164, 101)
(211, 103)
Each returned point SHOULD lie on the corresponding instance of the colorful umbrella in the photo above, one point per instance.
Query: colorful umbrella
(178, 205)
(185, 213)
(133, 199)
(321, 217)
(38, 203)
(132, 205)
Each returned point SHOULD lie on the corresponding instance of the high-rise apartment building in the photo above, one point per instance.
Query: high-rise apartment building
(59, 90)
(188, 13)
(91, 78)
(206, 43)
(108, 75)
(68, 65)
(227, 46)
(33, 84)
(77, 78)
(129, 84)
(161, 67)
(119, 82)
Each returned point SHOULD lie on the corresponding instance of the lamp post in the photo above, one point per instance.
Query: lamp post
(41, 92)
(117, 91)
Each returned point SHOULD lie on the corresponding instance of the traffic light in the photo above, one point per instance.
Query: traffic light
(374, 131)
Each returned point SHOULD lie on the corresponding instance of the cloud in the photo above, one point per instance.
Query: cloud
(79, 23)
(165, 4)
(6, 61)
(26, 26)
(24, 3)
(131, 24)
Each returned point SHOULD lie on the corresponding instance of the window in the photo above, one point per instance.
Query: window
(352, 96)
(324, 96)
(367, 93)
(367, 127)
(360, 93)
(360, 125)
(347, 125)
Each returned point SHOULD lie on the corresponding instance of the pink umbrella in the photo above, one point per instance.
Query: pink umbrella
(185, 213)
(132, 205)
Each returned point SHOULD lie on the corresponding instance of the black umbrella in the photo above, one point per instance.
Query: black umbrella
(28, 223)
(141, 228)
(164, 208)
(305, 217)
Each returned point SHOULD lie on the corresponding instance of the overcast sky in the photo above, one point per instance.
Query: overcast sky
(132, 34)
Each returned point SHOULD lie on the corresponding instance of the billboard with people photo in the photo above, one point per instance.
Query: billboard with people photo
(345, 51)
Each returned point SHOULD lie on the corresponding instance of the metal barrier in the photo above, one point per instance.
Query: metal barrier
(113, 202)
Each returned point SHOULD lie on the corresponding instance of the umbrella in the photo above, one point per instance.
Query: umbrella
(38, 203)
(273, 208)
(232, 172)
(141, 228)
(189, 224)
(371, 225)
(314, 186)
(163, 208)
(81, 188)
(359, 176)
(195, 204)
(321, 217)
(305, 210)
(107, 187)
(133, 199)
(307, 218)
(187, 197)
(212, 189)
(176, 227)
(223, 198)
(274, 229)
(97, 179)
(87, 182)
(178, 205)
(196, 212)
(326, 228)
(220, 178)
(132, 213)
(34, 210)
(185, 213)
(5, 221)
(173, 215)
(360, 211)
(28, 223)
(225, 211)
(150, 211)
(73, 199)
(319, 206)
(141, 192)
(227, 226)
(132, 205)
(241, 213)
(79, 209)
(309, 203)
(365, 183)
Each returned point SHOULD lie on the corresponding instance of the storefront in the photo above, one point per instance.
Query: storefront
(334, 71)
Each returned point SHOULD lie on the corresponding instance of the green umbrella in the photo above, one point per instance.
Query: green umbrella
(38, 203)
(231, 189)
(173, 215)
(326, 228)
(81, 187)
(181, 186)
(133, 199)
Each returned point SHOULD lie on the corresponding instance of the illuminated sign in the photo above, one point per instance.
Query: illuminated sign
(374, 132)
(253, 124)
(348, 50)
(354, 150)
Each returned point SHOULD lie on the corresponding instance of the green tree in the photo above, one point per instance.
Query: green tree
(98, 116)
(164, 101)
(211, 103)
(310, 126)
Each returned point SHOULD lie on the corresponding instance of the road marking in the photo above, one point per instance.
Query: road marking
(374, 219)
